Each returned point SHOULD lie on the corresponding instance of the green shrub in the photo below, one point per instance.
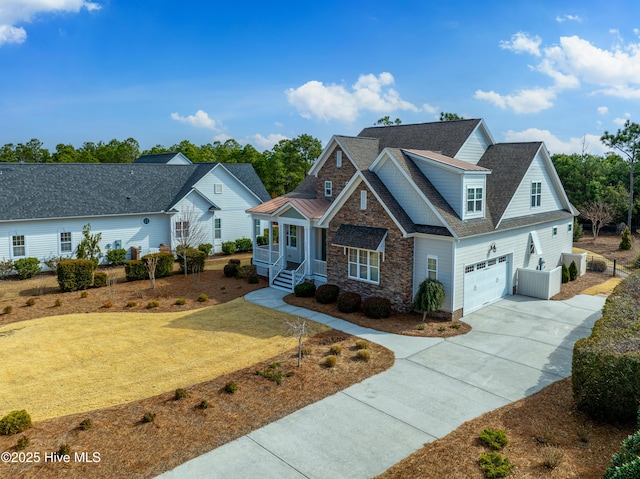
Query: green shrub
(30, 302)
(164, 264)
(253, 278)
(195, 261)
(6, 268)
(22, 443)
(573, 271)
(84, 294)
(274, 373)
(606, 365)
(27, 267)
(552, 456)
(65, 450)
(8, 309)
(363, 355)
(203, 298)
(496, 439)
(180, 302)
(597, 266)
(625, 239)
(203, 405)
(578, 232)
(15, 422)
(52, 263)
(262, 240)
(75, 274)
(625, 464)
(494, 465)
(206, 248)
(99, 279)
(149, 417)
(229, 247)
(304, 290)
(349, 302)
(336, 350)
(327, 293)
(330, 361)
(566, 277)
(117, 257)
(246, 270)
(132, 304)
(230, 270)
(152, 304)
(135, 270)
(243, 245)
(429, 298)
(180, 394)
(231, 387)
(86, 424)
(58, 303)
(636, 262)
(376, 308)
(362, 344)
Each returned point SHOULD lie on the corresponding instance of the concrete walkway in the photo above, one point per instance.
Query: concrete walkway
(517, 346)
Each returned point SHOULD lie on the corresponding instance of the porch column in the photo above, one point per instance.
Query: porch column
(270, 244)
(254, 239)
(308, 254)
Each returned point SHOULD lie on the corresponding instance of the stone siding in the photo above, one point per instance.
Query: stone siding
(396, 270)
(338, 176)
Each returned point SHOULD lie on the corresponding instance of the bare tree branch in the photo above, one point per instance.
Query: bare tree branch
(599, 213)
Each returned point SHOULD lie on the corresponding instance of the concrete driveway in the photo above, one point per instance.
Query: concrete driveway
(517, 346)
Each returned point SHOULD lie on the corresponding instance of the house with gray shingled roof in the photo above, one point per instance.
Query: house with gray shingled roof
(45, 205)
(381, 212)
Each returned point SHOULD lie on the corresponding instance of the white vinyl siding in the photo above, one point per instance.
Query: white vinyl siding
(474, 147)
(448, 183)
(364, 265)
(425, 248)
(406, 195)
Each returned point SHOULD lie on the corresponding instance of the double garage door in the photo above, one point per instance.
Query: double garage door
(485, 281)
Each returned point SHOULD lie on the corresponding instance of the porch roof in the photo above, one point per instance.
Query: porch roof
(362, 237)
(310, 207)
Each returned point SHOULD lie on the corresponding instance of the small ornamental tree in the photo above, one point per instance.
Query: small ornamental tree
(573, 271)
(625, 239)
(430, 297)
(89, 247)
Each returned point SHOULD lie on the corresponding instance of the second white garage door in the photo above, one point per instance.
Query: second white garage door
(485, 281)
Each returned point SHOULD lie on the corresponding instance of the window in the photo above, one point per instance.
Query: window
(257, 228)
(339, 159)
(217, 228)
(363, 200)
(292, 236)
(536, 194)
(470, 269)
(569, 227)
(65, 242)
(217, 188)
(321, 244)
(474, 200)
(432, 267)
(328, 188)
(19, 248)
(364, 265)
(182, 229)
(554, 231)
(146, 221)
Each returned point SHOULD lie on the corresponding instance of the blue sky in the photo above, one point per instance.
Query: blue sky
(163, 71)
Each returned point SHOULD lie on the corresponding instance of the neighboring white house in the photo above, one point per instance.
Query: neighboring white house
(380, 212)
(45, 206)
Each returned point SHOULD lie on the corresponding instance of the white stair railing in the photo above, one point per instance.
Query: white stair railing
(275, 269)
(298, 275)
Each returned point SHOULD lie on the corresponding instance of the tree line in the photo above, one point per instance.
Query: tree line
(281, 169)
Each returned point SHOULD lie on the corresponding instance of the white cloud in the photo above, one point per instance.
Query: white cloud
(524, 101)
(522, 43)
(269, 141)
(431, 109)
(199, 120)
(603, 110)
(621, 121)
(335, 102)
(19, 11)
(590, 143)
(569, 18)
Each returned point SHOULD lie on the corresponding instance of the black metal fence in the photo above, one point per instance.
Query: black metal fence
(619, 268)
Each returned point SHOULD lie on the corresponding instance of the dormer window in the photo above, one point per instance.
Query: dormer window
(328, 188)
(339, 159)
(474, 201)
(536, 194)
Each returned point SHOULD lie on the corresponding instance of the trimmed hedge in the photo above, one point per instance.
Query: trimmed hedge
(305, 290)
(117, 257)
(195, 261)
(99, 279)
(75, 274)
(376, 308)
(243, 245)
(164, 267)
(606, 365)
(135, 270)
(27, 267)
(327, 293)
(229, 247)
(349, 302)
(625, 464)
(206, 248)
(230, 270)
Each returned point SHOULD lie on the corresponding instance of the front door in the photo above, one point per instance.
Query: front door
(294, 240)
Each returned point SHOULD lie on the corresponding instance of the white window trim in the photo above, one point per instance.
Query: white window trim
(60, 242)
(429, 270)
(535, 242)
(363, 200)
(536, 195)
(217, 230)
(554, 231)
(291, 235)
(217, 188)
(339, 159)
(569, 227)
(475, 213)
(11, 246)
(328, 188)
(368, 265)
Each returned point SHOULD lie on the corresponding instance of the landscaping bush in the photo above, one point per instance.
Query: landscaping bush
(625, 464)
(117, 257)
(231, 387)
(429, 298)
(203, 298)
(51, 263)
(362, 344)
(229, 247)
(606, 365)
(496, 439)
(15, 422)
(573, 271)
(181, 394)
(84, 294)
(235, 261)
(135, 270)
(206, 248)
(180, 302)
(64, 450)
(494, 465)
(305, 290)
(27, 267)
(230, 270)
(376, 308)
(246, 270)
(164, 265)
(132, 304)
(565, 274)
(108, 304)
(6, 268)
(336, 350)
(330, 361)
(99, 279)
(195, 261)
(636, 262)
(253, 278)
(244, 245)
(30, 302)
(578, 232)
(327, 293)
(58, 303)
(597, 266)
(8, 309)
(149, 417)
(349, 302)
(152, 304)
(625, 239)
(262, 240)
(22, 443)
(75, 274)
(363, 355)
(86, 424)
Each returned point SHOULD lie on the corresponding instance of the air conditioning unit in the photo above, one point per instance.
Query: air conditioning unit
(117, 244)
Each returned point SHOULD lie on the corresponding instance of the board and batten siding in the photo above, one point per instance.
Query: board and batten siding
(405, 193)
(441, 249)
(42, 237)
(520, 204)
(474, 147)
(448, 183)
(513, 242)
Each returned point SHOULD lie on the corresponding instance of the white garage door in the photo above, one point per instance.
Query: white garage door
(485, 282)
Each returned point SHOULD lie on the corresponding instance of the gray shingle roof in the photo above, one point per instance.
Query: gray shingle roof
(446, 137)
(160, 158)
(363, 151)
(306, 189)
(58, 190)
(363, 237)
